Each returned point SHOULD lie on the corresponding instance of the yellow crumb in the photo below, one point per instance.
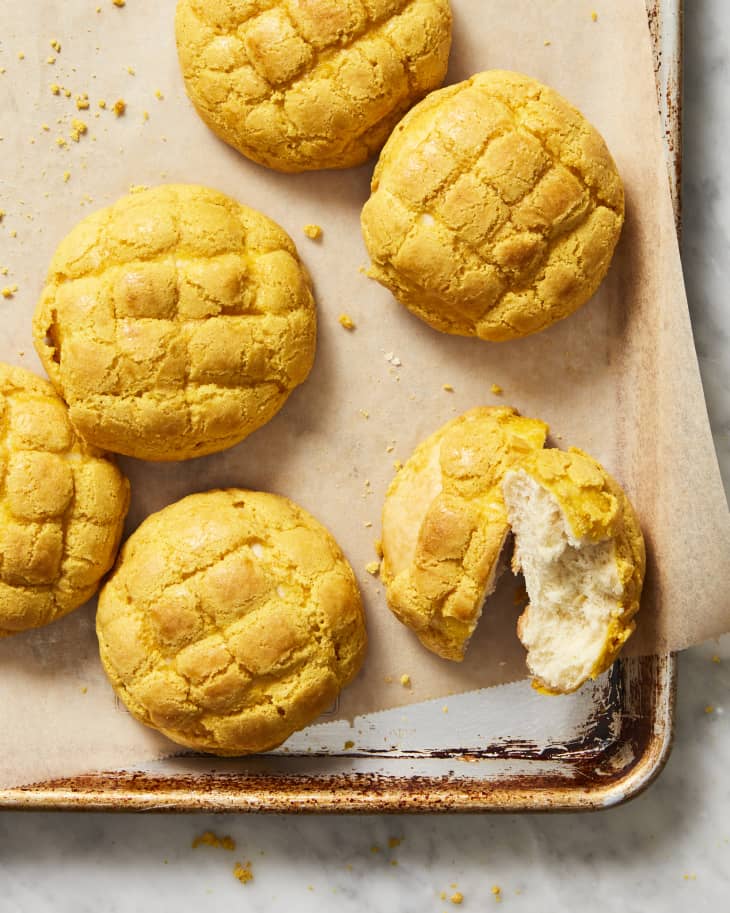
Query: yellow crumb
(13, 233)
(7, 292)
(445, 709)
(102, 103)
(55, 89)
(45, 128)
(393, 842)
(131, 71)
(21, 55)
(158, 95)
(67, 93)
(364, 413)
(346, 321)
(61, 141)
(66, 176)
(145, 115)
(708, 709)
(56, 45)
(405, 680)
(313, 231)
(497, 891)
(242, 872)
(82, 101)
(547, 43)
(689, 877)
(594, 16)
(442, 895)
(373, 567)
(457, 897)
(716, 658)
(390, 448)
(448, 388)
(120, 106)
(2, 214)
(138, 188)
(349, 744)
(51, 59)
(78, 129)
(208, 838)
(496, 389)
(4, 270)
(119, 2)
(397, 465)
(375, 848)
(378, 546)
(367, 524)
(84, 690)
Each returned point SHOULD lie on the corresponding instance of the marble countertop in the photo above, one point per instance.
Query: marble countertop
(669, 850)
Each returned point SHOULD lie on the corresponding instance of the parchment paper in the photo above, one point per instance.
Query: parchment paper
(618, 379)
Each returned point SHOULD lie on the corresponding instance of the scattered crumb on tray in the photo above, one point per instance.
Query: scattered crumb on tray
(594, 16)
(397, 465)
(709, 709)
(208, 838)
(448, 388)
(119, 3)
(120, 106)
(497, 892)
(313, 232)
(394, 842)
(457, 897)
(243, 872)
(405, 680)
(346, 321)
(716, 658)
(364, 413)
(378, 546)
(349, 744)
(496, 389)
(373, 567)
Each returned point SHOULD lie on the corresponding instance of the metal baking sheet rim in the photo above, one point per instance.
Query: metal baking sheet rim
(360, 793)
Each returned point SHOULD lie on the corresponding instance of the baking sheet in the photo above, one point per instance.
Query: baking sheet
(624, 364)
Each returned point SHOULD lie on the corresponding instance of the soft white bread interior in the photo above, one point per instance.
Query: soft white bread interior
(580, 548)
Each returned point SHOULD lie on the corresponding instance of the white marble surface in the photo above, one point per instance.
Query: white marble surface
(667, 851)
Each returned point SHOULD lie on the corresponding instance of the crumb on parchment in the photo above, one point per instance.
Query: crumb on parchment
(394, 842)
(496, 389)
(497, 892)
(457, 897)
(119, 3)
(313, 232)
(349, 744)
(243, 872)
(594, 16)
(373, 567)
(82, 101)
(448, 388)
(208, 838)
(120, 106)
(405, 680)
(346, 321)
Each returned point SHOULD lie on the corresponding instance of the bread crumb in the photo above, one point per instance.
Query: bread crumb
(158, 95)
(442, 895)
(496, 389)
(13, 233)
(457, 897)
(67, 93)
(397, 465)
(242, 872)
(138, 188)
(131, 71)
(145, 115)
(56, 45)
(119, 3)
(82, 101)
(120, 106)
(547, 43)
(373, 567)
(594, 16)
(367, 524)
(405, 680)
(102, 103)
(393, 359)
(66, 176)
(55, 88)
(21, 55)
(314, 232)
(715, 658)
(448, 388)
(7, 292)
(364, 413)
(393, 842)
(349, 744)
(78, 129)
(497, 891)
(445, 709)
(50, 59)
(390, 448)
(689, 877)
(2, 214)
(84, 690)
(708, 709)
(346, 321)
(378, 546)
(208, 838)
